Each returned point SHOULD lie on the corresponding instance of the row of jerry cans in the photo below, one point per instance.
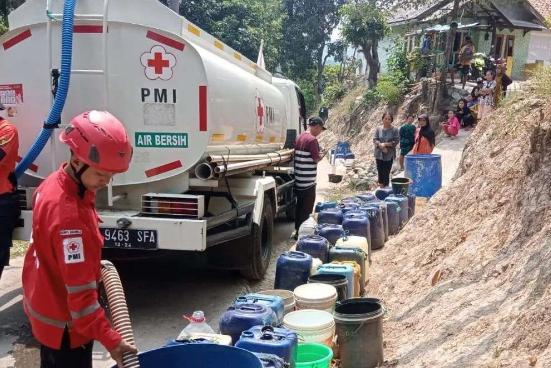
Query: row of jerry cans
(275, 347)
(295, 267)
(375, 220)
(252, 323)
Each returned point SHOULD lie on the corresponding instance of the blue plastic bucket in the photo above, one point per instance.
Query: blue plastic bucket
(426, 173)
(198, 356)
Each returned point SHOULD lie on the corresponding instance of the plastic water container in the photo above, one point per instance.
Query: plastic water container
(377, 226)
(271, 361)
(274, 302)
(342, 148)
(403, 202)
(308, 227)
(330, 216)
(346, 270)
(340, 282)
(357, 273)
(199, 356)
(382, 193)
(197, 324)
(292, 270)
(357, 225)
(316, 296)
(316, 246)
(314, 356)
(411, 209)
(355, 254)
(393, 214)
(383, 207)
(241, 317)
(347, 207)
(331, 232)
(212, 338)
(360, 330)
(313, 326)
(281, 342)
(353, 200)
(325, 205)
(426, 173)
(287, 296)
(356, 242)
(366, 197)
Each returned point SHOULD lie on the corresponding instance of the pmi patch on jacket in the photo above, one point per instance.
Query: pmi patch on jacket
(73, 250)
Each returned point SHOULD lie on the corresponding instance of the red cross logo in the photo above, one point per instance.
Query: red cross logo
(260, 110)
(158, 63)
(73, 247)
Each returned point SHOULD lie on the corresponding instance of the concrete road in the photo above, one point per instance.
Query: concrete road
(158, 292)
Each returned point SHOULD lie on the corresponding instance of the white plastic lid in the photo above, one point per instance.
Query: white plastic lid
(315, 292)
(308, 320)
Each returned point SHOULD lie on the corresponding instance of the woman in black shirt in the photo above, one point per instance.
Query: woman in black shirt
(464, 114)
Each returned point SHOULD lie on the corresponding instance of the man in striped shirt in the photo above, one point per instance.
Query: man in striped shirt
(307, 156)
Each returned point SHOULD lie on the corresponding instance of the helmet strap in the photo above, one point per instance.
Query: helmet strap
(78, 175)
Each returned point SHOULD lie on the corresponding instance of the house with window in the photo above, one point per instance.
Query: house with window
(513, 30)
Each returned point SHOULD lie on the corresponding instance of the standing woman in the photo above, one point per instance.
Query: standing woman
(487, 97)
(425, 139)
(386, 139)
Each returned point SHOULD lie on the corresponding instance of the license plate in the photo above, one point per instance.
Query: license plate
(129, 238)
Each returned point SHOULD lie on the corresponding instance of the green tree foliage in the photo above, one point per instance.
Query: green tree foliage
(364, 26)
(3, 26)
(241, 24)
(6, 7)
(307, 30)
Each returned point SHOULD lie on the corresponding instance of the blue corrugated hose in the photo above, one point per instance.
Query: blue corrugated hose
(61, 96)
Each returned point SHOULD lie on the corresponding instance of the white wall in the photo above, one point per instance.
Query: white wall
(540, 47)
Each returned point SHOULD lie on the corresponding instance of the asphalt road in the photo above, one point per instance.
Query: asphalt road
(159, 292)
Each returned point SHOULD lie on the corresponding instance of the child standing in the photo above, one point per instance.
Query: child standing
(451, 127)
(407, 138)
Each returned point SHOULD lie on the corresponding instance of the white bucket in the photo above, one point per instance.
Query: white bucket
(316, 296)
(287, 296)
(311, 326)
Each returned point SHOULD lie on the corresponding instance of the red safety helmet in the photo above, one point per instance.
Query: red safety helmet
(100, 140)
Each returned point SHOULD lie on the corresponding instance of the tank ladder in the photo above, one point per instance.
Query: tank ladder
(102, 72)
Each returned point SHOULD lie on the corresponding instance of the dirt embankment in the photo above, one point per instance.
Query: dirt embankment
(467, 282)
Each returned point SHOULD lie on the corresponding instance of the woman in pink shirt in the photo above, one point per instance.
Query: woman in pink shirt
(451, 127)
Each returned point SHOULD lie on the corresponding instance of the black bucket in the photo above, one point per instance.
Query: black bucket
(400, 186)
(360, 332)
(340, 282)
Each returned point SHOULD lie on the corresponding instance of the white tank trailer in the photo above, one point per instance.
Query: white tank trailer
(183, 96)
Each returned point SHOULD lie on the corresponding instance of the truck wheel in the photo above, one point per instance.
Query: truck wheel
(259, 244)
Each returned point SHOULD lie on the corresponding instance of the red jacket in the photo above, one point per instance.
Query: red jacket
(9, 145)
(61, 272)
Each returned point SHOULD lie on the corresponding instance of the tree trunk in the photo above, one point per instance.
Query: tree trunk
(443, 92)
(369, 50)
(319, 79)
(174, 5)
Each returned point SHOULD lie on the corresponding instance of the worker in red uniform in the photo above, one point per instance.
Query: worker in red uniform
(62, 267)
(9, 204)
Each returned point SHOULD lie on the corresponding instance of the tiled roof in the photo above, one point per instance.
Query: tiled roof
(542, 6)
(401, 14)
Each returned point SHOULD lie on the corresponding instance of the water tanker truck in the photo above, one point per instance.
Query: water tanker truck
(212, 131)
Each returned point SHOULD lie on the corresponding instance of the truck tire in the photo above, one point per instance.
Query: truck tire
(259, 244)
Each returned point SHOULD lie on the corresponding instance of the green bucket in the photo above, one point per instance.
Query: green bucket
(314, 356)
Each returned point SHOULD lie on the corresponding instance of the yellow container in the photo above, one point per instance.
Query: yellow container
(357, 274)
(356, 241)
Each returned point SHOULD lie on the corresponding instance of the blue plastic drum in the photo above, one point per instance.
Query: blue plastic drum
(198, 356)
(426, 173)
